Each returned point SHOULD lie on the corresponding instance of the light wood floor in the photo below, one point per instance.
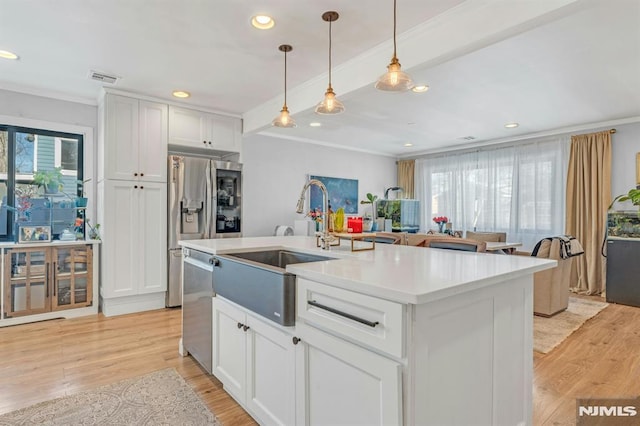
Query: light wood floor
(50, 359)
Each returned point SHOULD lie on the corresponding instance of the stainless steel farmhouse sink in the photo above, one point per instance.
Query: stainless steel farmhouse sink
(258, 281)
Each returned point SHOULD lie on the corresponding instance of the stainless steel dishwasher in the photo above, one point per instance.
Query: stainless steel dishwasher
(197, 306)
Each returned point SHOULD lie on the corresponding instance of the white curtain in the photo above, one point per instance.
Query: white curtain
(519, 189)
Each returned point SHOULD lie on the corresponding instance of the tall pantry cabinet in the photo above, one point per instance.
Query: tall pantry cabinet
(132, 199)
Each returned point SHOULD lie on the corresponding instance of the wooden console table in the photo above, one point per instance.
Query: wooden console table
(357, 237)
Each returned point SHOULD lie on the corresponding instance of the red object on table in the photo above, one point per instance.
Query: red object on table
(354, 224)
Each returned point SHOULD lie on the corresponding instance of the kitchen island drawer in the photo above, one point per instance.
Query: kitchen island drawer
(370, 321)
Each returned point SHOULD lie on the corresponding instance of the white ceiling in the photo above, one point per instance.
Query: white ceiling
(545, 64)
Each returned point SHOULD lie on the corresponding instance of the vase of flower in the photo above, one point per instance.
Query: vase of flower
(441, 221)
(316, 216)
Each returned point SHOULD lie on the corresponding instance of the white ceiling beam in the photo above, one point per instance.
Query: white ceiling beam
(470, 26)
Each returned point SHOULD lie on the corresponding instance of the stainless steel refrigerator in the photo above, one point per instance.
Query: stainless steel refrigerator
(204, 201)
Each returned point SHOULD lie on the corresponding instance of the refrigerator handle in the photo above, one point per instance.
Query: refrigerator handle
(209, 202)
(174, 197)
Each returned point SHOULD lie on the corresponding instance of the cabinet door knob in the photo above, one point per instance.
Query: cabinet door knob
(204, 142)
(141, 187)
(296, 340)
(245, 327)
(135, 174)
(240, 325)
(141, 174)
(135, 186)
(209, 142)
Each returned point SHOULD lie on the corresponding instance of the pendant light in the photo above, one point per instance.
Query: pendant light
(394, 80)
(284, 119)
(330, 105)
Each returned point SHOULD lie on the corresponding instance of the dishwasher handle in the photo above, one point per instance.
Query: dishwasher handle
(198, 263)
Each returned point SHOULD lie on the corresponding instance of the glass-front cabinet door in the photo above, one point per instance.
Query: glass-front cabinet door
(72, 277)
(26, 289)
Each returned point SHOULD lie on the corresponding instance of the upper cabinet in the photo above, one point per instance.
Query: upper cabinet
(197, 129)
(135, 139)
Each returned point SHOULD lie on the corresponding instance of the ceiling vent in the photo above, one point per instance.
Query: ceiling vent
(100, 76)
(467, 138)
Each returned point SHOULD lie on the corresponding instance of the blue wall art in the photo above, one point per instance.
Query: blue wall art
(342, 193)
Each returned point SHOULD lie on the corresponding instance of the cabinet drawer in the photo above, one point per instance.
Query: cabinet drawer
(371, 321)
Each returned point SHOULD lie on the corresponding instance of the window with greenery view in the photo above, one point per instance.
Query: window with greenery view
(23, 153)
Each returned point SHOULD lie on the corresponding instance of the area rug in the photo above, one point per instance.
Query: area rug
(159, 398)
(550, 332)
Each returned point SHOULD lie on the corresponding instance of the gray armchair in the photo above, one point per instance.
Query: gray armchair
(450, 243)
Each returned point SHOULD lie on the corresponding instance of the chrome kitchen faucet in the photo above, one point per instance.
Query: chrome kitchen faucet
(325, 238)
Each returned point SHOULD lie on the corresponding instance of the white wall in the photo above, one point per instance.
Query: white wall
(47, 109)
(626, 144)
(275, 170)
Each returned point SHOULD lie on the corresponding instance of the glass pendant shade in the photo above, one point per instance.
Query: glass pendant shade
(284, 119)
(330, 104)
(394, 80)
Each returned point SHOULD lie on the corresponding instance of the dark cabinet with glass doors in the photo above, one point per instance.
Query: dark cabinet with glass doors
(44, 279)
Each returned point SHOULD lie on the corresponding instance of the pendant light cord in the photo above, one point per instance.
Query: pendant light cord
(285, 78)
(394, 28)
(330, 21)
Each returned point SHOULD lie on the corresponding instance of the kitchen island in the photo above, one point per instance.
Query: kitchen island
(395, 335)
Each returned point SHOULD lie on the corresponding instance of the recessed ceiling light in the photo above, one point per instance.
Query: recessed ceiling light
(408, 144)
(181, 94)
(420, 88)
(315, 124)
(262, 22)
(511, 125)
(8, 55)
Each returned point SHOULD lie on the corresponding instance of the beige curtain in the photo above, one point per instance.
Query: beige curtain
(588, 196)
(405, 177)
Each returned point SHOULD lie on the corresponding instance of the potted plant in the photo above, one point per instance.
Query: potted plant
(50, 179)
(82, 201)
(367, 220)
(94, 233)
(633, 195)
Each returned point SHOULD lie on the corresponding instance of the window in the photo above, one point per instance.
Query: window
(66, 155)
(23, 152)
(518, 189)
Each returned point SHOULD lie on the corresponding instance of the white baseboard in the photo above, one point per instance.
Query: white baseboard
(132, 304)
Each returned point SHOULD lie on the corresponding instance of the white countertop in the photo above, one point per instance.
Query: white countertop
(402, 274)
(12, 244)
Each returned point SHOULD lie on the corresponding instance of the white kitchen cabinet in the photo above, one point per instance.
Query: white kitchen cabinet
(132, 203)
(135, 139)
(338, 382)
(134, 235)
(197, 129)
(255, 362)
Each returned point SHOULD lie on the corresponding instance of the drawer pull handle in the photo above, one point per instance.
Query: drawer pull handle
(342, 314)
